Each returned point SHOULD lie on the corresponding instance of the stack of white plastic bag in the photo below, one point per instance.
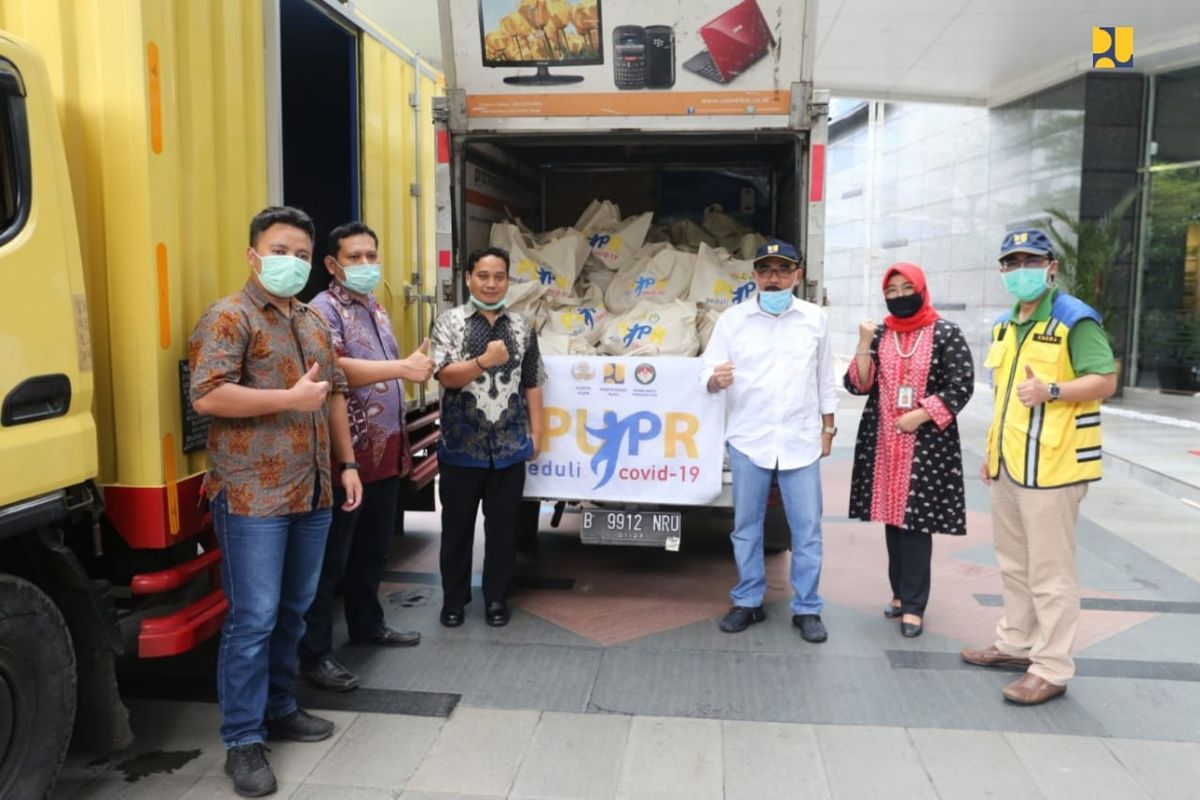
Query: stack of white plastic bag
(617, 286)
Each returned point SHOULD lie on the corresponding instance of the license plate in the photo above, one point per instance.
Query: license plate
(642, 528)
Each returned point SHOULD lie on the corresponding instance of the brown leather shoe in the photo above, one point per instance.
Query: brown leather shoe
(1030, 690)
(991, 657)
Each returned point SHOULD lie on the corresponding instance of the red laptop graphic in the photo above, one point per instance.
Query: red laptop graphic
(734, 41)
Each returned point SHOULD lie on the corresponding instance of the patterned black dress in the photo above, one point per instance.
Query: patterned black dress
(935, 501)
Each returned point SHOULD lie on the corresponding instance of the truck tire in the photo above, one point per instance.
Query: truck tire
(37, 690)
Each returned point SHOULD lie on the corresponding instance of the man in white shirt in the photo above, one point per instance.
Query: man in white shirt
(778, 422)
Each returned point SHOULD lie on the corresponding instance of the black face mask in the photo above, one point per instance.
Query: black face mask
(904, 307)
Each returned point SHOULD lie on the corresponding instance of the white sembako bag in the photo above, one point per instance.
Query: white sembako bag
(664, 276)
(553, 265)
(618, 246)
(598, 216)
(727, 230)
(750, 244)
(579, 316)
(526, 299)
(649, 328)
(685, 233)
(560, 344)
(559, 261)
(719, 280)
(706, 320)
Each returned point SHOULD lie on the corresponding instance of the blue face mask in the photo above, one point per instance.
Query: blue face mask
(496, 306)
(1026, 284)
(361, 278)
(775, 302)
(283, 276)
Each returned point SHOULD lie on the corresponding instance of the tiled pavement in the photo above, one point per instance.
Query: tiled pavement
(612, 680)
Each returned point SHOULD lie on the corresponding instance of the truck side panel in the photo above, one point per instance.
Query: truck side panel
(47, 442)
(397, 181)
(164, 109)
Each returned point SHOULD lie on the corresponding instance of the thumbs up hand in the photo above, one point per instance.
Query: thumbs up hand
(418, 367)
(1032, 391)
(309, 394)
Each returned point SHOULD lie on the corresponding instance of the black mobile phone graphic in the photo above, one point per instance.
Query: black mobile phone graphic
(660, 56)
(629, 56)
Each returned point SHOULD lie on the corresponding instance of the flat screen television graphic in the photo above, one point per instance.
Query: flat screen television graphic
(733, 41)
(541, 34)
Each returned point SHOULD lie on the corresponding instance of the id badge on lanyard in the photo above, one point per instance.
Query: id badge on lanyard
(906, 395)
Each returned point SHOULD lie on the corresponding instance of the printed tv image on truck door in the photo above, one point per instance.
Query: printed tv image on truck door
(540, 33)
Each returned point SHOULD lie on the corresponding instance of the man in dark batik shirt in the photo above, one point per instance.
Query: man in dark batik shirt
(491, 372)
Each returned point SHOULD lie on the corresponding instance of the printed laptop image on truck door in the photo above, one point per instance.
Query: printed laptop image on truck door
(734, 41)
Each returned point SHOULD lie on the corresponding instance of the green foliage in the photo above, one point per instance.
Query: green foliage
(1172, 336)
(1087, 253)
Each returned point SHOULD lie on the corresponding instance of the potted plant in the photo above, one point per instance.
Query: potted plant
(1173, 337)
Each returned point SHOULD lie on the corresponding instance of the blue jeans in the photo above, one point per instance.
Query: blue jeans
(269, 571)
(801, 491)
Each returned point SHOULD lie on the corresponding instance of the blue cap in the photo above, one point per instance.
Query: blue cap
(776, 248)
(1027, 240)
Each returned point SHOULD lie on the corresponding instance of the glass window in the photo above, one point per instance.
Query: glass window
(14, 153)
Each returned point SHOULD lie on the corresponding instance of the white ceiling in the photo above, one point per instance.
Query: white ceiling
(964, 51)
(986, 51)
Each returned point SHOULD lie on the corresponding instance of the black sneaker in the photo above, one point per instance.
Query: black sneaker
(327, 673)
(252, 775)
(741, 617)
(300, 726)
(811, 627)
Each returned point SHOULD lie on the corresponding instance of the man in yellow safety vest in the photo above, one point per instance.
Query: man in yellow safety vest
(1051, 366)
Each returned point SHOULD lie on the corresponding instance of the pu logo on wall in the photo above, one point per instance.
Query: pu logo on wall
(1112, 48)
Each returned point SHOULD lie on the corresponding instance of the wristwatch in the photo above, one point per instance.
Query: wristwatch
(831, 431)
(345, 465)
(1054, 390)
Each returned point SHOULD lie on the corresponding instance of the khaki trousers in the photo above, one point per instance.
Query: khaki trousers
(1034, 531)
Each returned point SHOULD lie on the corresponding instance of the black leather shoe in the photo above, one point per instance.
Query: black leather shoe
(892, 612)
(299, 726)
(912, 630)
(741, 617)
(252, 775)
(811, 627)
(497, 614)
(390, 637)
(452, 616)
(327, 673)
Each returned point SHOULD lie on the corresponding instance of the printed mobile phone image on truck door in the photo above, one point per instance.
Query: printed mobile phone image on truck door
(660, 56)
(629, 57)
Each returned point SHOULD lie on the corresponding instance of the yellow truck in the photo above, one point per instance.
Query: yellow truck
(137, 139)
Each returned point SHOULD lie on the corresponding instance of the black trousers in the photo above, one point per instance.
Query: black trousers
(355, 555)
(461, 490)
(909, 555)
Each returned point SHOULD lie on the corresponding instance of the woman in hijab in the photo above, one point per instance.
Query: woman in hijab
(917, 373)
